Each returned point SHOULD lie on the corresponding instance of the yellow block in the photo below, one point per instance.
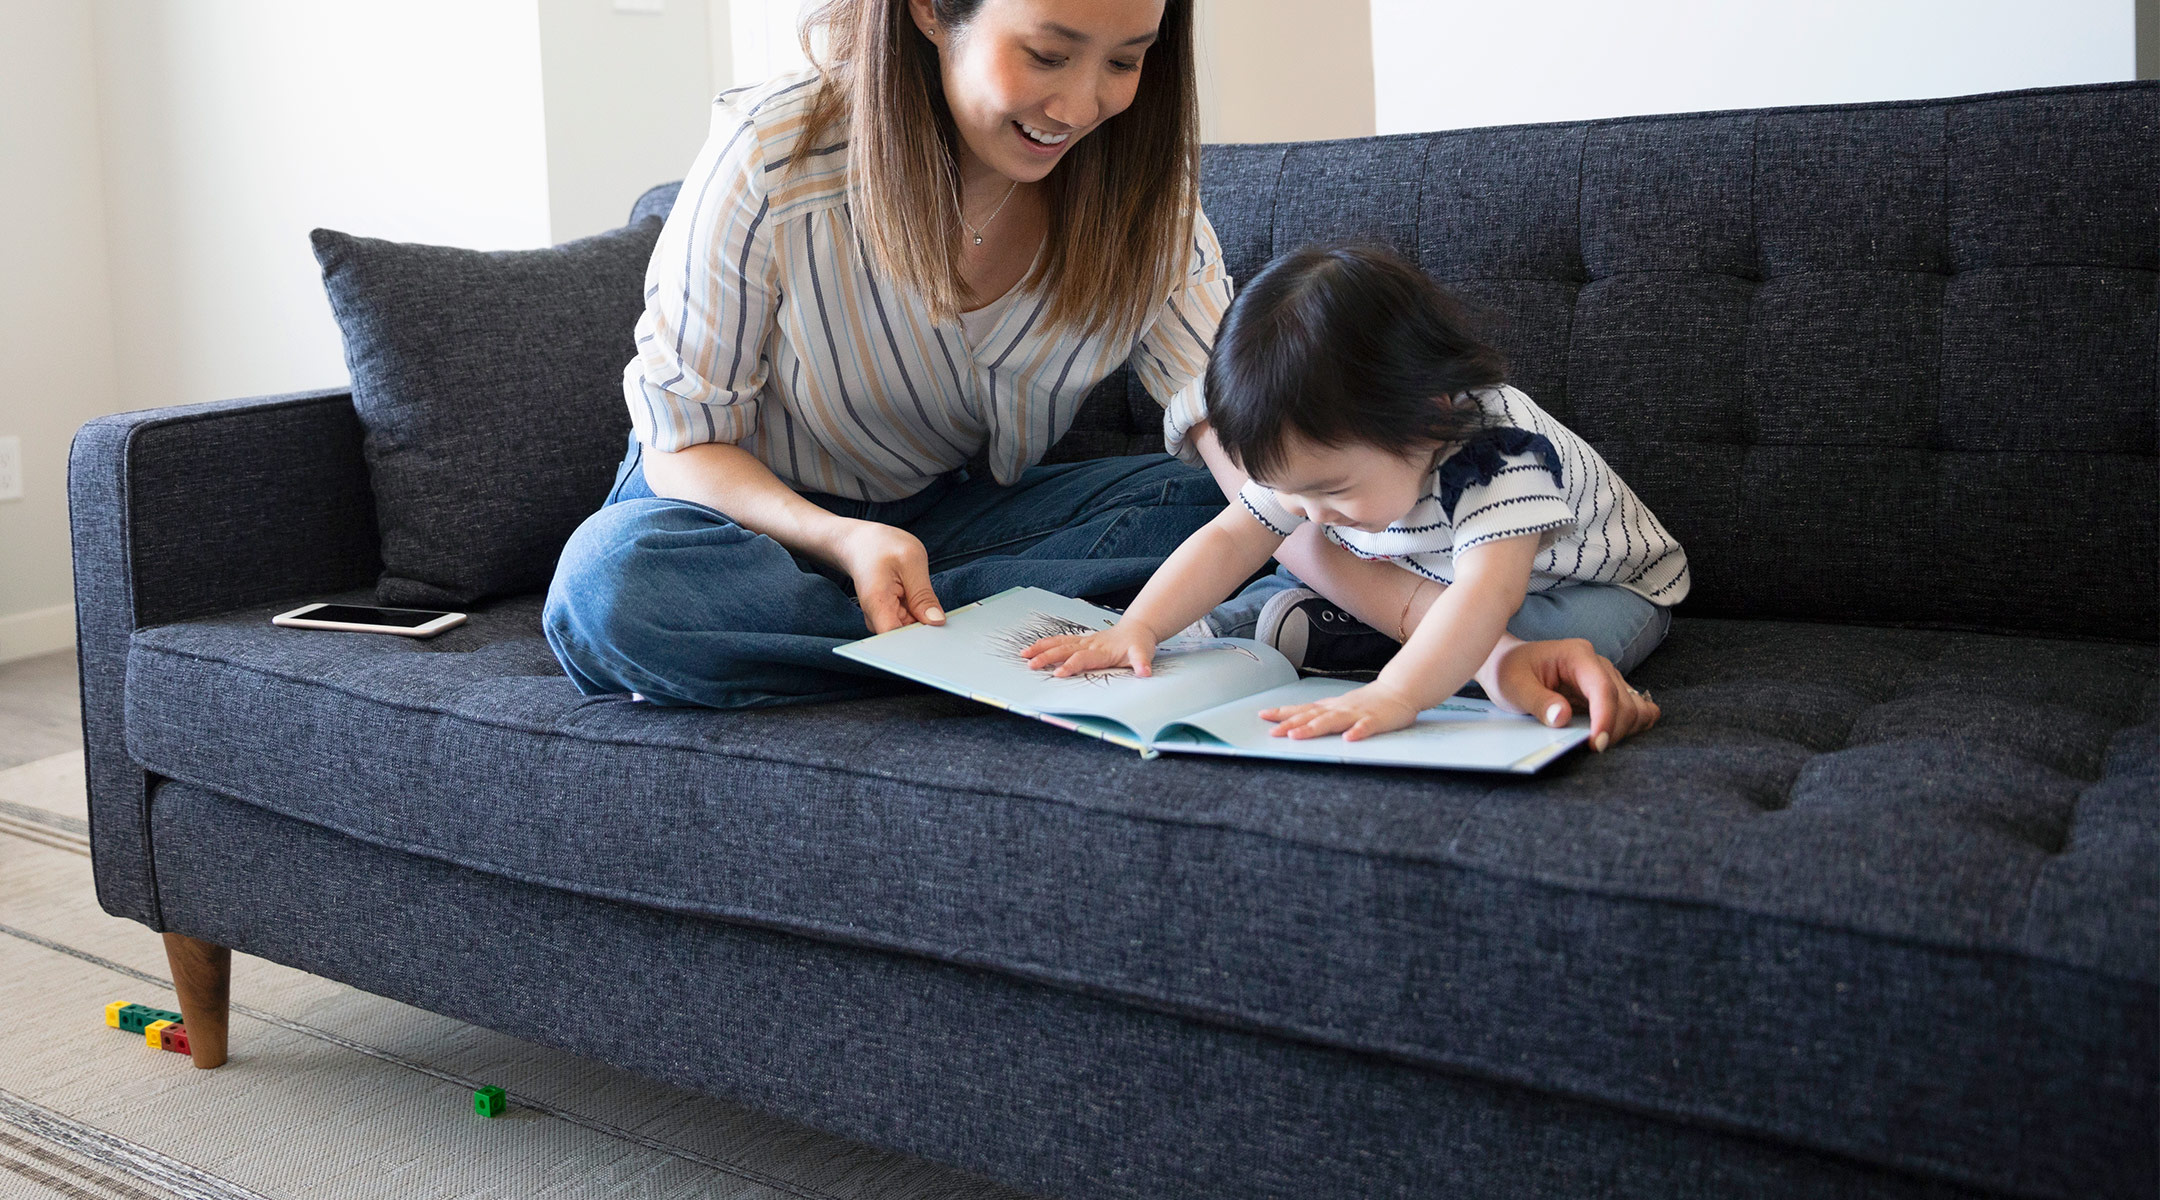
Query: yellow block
(112, 1013)
(150, 1032)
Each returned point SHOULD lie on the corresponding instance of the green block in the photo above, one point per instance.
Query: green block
(490, 1101)
(135, 1018)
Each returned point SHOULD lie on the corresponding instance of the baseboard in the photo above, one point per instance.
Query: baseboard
(39, 631)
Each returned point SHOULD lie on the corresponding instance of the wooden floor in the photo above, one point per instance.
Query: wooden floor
(40, 709)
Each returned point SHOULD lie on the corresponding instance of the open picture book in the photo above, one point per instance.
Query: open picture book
(1204, 696)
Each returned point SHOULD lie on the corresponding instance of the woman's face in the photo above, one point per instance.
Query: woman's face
(1026, 79)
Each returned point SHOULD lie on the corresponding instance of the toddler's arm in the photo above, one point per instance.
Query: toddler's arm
(1448, 646)
(1199, 575)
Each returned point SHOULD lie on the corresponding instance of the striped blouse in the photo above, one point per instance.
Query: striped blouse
(766, 326)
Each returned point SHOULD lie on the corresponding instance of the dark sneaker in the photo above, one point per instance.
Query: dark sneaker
(1317, 636)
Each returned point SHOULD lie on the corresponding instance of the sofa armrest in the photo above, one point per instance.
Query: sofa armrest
(181, 512)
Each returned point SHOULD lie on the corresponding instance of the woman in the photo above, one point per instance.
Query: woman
(883, 293)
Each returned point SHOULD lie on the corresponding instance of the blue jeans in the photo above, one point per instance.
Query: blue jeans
(1621, 625)
(672, 600)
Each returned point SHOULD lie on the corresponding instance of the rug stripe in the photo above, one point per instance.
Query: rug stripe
(72, 1167)
(181, 1179)
(750, 1174)
(38, 816)
(51, 1181)
(38, 835)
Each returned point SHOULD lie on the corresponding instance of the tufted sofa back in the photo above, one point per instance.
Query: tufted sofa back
(1879, 363)
(1875, 363)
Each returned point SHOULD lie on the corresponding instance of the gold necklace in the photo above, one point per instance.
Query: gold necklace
(976, 231)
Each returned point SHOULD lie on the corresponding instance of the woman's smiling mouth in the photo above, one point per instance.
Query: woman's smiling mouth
(1041, 138)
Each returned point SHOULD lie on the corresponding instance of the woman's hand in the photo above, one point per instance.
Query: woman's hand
(891, 572)
(888, 566)
(1126, 644)
(1551, 679)
(1356, 714)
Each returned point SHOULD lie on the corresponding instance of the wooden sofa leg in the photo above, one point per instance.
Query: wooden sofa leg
(202, 974)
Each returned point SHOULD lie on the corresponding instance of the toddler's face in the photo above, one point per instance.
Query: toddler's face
(1364, 487)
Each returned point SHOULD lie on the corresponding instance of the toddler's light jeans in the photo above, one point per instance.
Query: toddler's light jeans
(1623, 626)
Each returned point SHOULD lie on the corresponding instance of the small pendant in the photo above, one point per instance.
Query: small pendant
(978, 239)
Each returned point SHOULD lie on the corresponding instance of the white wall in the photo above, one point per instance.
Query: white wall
(164, 163)
(628, 101)
(1452, 64)
(233, 127)
(56, 343)
(763, 38)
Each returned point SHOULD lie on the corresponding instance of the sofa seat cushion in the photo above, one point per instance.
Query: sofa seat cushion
(1890, 893)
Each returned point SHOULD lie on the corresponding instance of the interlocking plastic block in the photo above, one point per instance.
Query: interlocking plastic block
(173, 1038)
(152, 1032)
(490, 1101)
(134, 1018)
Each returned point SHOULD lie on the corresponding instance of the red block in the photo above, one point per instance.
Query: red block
(173, 1038)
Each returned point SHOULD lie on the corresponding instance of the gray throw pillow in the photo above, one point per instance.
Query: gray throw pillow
(490, 386)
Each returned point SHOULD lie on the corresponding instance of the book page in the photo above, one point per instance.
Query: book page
(976, 653)
(1460, 733)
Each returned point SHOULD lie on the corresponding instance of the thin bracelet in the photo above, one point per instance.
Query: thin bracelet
(1402, 621)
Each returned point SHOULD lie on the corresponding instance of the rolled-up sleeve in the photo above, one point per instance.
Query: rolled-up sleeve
(710, 293)
(1171, 358)
(1260, 500)
(1514, 495)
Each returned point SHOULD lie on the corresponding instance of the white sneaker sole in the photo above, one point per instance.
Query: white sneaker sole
(1277, 629)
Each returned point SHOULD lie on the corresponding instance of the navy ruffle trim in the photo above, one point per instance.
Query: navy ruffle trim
(1484, 455)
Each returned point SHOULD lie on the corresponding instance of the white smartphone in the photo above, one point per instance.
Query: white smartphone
(358, 618)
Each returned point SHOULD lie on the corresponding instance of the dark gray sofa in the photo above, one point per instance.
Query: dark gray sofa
(1875, 911)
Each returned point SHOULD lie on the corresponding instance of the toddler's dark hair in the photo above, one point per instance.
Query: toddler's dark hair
(1341, 345)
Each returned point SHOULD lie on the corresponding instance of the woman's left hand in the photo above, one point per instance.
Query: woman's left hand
(1553, 680)
(1356, 714)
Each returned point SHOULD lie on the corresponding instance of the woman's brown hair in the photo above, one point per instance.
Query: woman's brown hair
(1121, 200)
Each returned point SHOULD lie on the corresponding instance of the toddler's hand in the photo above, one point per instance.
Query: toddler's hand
(1355, 714)
(1122, 645)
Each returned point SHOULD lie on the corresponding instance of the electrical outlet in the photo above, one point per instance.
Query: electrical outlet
(10, 468)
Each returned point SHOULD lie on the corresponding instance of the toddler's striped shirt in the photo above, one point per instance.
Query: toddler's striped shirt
(1525, 473)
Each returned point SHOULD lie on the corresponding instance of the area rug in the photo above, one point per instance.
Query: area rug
(332, 1092)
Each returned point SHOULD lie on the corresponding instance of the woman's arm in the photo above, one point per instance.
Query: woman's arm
(1172, 356)
(889, 567)
(731, 479)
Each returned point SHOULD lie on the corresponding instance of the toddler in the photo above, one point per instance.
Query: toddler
(1346, 385)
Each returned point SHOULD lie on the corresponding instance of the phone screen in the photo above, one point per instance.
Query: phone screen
(354, 614)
